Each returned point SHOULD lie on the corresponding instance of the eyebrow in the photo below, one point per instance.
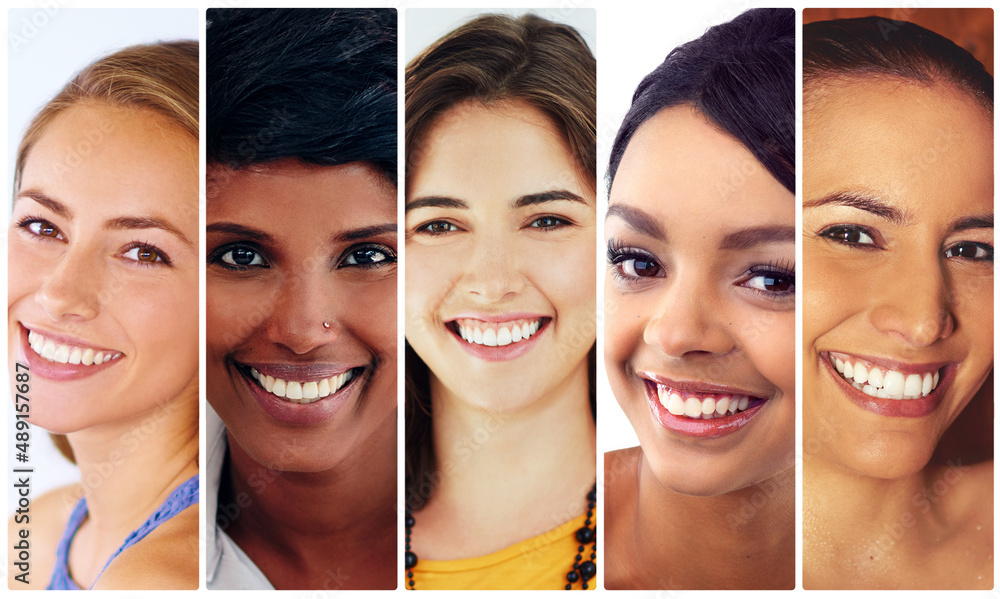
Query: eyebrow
(859, 201)
(365, 232)
(145, 222)
(241, 231)
(753, 236)
(638, 220)
(53, 205)
(547, 196)
(436, 202)
(979, 221)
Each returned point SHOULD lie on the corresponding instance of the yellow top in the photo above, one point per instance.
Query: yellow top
(539, 563)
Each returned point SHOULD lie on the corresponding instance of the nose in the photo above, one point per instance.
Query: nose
(687, 322)
(303, 317)
(915, 304)
(74, 289)
(492, 270)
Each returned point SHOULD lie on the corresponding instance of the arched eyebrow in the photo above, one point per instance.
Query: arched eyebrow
(979, 221)
(865, 202)
(240, 231)
(554, 195)
(50, 203)
(436, 202)
(366, 232)
(744, 239)
(637, 220)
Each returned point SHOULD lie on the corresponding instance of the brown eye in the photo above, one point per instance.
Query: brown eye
(146, 255)
(970, 250)
(639, 267)
(44, 228)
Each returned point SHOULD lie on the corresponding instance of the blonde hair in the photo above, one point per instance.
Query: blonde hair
(162, 77)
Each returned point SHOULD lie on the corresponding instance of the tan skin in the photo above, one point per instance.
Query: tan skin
(330, 250)
(876, 514)
(686, 304)
(542, 433)
(68, 271)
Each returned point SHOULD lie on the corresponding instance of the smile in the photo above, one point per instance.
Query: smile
(876, 381)
(889, 388)
(496, 334)
(498, 338)
(301, 392)
(700, 409)
(64, 353)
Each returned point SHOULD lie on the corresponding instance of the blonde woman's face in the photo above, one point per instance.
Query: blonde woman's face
(103, 281)
(500, 226)
(898, 253)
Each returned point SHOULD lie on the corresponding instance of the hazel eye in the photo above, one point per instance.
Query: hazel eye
(242, 257)
(438, 227)
(970, 250)
(849, 235)
(43, 228)
(144, 253)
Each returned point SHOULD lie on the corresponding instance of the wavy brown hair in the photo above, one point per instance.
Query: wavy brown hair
(493, 59)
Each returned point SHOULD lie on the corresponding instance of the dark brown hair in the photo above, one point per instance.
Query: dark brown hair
(492, 59)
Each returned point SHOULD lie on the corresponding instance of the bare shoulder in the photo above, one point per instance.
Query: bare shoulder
(33, 533)
(166, 559)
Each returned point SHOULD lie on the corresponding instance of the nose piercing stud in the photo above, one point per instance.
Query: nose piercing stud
(326, 325)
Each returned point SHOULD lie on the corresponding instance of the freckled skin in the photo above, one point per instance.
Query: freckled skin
(927, 152)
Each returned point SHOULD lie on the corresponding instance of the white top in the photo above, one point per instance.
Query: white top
(228, 568)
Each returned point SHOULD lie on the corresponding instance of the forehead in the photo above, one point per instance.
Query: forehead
(501, 151)
(328, 197)
(897, 138)
(681, 166)
(97, 159)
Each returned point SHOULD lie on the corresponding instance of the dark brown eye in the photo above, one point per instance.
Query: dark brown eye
(970, 250)
(639, 267)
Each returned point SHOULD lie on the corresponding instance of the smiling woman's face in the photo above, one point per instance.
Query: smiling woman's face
(898, 253)
(301, 310)
(103, 281)
(700, 305)
(500, 248)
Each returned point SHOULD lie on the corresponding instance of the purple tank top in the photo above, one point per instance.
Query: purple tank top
(182, 497)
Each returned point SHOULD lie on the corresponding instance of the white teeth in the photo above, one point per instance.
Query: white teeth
(496, 335)
(703, 407)
(888, 384)
(67, 354)
(860, 374)
(302, 392)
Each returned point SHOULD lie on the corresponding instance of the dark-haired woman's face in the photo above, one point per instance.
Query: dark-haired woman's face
(898, 249)
(700, 305)
(500, 241)
(301, 310)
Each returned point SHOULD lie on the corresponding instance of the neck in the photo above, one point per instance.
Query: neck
(355, 498)
(128, 468)
(494, 464)
(754, 525)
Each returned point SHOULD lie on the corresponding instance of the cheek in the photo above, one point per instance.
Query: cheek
(375, 325)
(624, 317)
(565, 275)
(232, 313)
(430, 275)
(831, 295)
(771, 349)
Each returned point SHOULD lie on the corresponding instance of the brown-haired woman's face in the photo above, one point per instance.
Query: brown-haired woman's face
(500, 241)
(898, 255)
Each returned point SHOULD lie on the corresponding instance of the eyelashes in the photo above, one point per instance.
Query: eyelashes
(636, 267)
(869, 239)
(544, 222)
(241, 256)
(141, 253)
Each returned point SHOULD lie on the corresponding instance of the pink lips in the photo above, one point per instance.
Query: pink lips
(498, 353)
(719, 426)
(56, 371)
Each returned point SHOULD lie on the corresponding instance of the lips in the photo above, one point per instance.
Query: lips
(887, 387)
(700, 409)
(60, 357)
(497, 338)
(300, 394)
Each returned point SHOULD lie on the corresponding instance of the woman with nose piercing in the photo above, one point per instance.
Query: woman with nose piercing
(898, 309)
(103, 324)
(500, 304)
(700, 315)
(301, 299)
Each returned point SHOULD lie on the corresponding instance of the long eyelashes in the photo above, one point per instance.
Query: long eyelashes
(243, 257)
(367, 255)
(631, 265)
(775, 279)
(869, 239)
(139, 252)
